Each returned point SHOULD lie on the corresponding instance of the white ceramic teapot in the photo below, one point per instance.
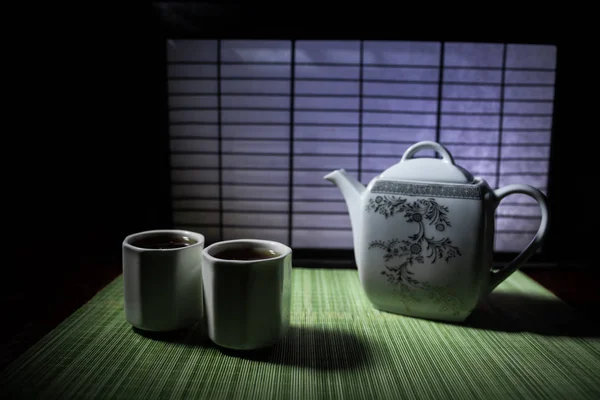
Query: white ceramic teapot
(424, 235)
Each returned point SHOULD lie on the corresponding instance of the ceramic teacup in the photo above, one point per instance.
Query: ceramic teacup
(247, 286)
(163, 279)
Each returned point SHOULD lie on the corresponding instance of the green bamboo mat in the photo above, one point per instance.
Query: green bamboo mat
(522, 343)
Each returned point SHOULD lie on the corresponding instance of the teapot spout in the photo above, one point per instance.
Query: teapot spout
(352, 191)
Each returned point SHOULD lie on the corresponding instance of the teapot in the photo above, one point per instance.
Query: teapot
(423, 235)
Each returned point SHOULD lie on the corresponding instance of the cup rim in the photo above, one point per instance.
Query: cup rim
(277, 246)
(194, 235)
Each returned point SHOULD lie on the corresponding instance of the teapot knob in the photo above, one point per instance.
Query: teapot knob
(424, 145)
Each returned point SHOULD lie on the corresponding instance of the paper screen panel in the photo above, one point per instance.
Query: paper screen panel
(256, 124)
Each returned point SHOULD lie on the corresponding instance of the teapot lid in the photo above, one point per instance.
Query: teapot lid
(427, 169)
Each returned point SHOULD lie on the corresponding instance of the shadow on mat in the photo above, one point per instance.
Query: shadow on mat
(510, 312)
(192, 336)
(311, 347)
(307, 347)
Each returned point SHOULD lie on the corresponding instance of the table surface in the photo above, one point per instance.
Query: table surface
(522, 342)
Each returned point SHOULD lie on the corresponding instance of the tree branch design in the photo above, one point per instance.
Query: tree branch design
(445, 299)
(418, 246)
(386, 205)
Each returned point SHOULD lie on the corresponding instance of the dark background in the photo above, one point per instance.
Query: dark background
(99, 169)
(87, 158)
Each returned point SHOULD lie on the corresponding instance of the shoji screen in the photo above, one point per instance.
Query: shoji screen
(255, 125)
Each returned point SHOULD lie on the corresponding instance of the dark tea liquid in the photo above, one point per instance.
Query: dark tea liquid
(162, 242)
(246, 254)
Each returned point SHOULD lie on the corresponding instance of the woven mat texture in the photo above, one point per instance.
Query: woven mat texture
(522, 342)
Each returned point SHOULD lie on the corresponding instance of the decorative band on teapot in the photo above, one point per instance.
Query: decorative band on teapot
(428, 189)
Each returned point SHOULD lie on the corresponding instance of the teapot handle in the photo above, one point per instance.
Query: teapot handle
(497, 277)
(426, 144)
